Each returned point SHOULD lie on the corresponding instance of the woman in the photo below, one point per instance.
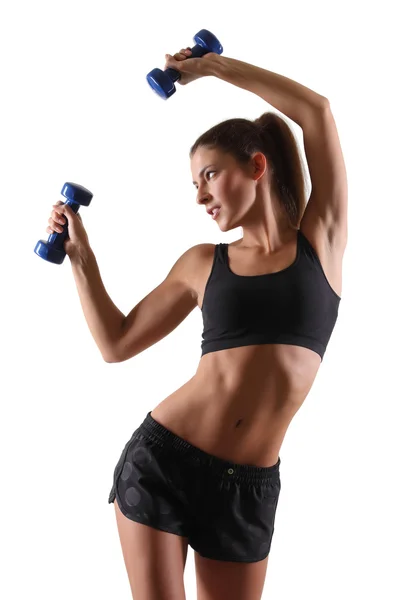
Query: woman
(203, 467)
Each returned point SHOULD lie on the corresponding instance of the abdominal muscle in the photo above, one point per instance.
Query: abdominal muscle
(240, 402)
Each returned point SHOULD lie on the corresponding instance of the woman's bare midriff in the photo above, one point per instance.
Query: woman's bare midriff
(240, 402)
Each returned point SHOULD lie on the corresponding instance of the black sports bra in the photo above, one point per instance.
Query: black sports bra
(294, 306)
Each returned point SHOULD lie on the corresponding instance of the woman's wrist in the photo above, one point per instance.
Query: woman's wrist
(215, 64)
(81, 254)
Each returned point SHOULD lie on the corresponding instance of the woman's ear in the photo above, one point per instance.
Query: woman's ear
(259, 165)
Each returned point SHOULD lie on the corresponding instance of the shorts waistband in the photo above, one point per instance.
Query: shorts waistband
(163, 437)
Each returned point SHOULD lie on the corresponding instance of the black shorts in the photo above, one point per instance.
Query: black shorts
(227, 510)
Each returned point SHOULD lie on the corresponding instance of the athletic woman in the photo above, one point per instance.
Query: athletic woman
(203, 467)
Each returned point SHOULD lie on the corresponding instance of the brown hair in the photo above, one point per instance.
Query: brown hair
(271, 135)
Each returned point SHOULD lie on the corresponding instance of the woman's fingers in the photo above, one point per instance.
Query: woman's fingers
(57, 217)
(184, 53)
(56, 214)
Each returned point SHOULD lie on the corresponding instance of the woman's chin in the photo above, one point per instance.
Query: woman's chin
(225, 225)
(222, 223)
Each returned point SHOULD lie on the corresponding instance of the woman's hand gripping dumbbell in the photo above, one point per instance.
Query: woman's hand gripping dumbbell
(77, 240)
(192, 69)
(67, 233)
(177, 69)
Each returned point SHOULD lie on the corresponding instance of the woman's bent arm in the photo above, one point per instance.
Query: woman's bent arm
(164, 308)
(155, 316)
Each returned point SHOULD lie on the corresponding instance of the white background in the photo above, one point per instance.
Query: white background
(75, 106)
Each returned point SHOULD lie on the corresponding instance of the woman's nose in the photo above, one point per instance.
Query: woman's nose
(202, 197)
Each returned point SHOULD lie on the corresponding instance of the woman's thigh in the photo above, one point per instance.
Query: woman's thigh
(155, 560)
(216, 579)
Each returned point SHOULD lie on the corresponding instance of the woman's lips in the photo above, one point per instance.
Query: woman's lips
(215, 213)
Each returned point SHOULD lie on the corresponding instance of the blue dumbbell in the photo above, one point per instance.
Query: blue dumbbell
(53, 250)
(162, 82)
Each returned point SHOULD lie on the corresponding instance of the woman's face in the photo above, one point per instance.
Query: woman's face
(221, 181)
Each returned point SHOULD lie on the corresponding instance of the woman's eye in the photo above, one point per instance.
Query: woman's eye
(207, 173)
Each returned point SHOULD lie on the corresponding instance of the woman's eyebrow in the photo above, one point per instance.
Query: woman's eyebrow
(202, 171)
